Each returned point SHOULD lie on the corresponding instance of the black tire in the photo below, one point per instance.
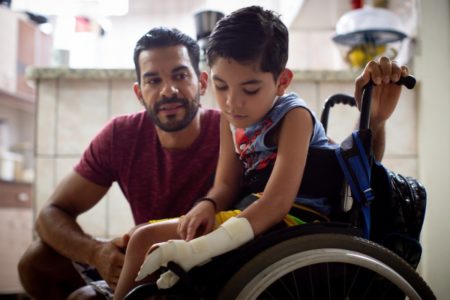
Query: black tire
(326, 266)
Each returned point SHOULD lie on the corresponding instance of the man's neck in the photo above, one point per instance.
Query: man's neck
(181, 139)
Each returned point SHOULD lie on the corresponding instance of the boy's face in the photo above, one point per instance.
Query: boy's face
(244, 93)
(170, 90)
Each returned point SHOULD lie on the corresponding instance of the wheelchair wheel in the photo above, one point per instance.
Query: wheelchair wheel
(326, 266)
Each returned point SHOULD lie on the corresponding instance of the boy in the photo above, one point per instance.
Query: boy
(264, 140)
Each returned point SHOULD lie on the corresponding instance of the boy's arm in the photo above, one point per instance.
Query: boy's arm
(284, 182)
(224, 191)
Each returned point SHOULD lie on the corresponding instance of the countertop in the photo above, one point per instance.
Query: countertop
(67, 73)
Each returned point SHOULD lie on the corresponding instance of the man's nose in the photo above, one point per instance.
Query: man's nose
(169, 90)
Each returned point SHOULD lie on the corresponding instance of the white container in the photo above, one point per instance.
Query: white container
(10, 165)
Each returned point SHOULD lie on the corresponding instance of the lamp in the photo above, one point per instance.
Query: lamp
(204, 24)
(367, 31)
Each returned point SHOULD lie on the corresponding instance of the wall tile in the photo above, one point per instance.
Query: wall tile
(307, 90)
(401, 128)
(45, 181)
(82, 112)
(119, 213)
(46, 117)
(93, 221)
(123, 99)
(407, 166)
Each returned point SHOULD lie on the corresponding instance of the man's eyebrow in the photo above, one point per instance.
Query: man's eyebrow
(180, 68)
(175, 70)
(150, 74)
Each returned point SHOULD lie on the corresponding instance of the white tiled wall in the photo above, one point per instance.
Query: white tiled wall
(70, 112)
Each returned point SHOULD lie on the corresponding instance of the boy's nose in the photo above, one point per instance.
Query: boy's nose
(233, 101)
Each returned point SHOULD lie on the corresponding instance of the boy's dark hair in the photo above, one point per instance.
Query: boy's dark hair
(250, 34)
(165, 37)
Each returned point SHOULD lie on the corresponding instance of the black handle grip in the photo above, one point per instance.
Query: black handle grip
(408, 81)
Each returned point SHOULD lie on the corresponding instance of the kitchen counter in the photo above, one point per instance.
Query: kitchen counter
(67, 73)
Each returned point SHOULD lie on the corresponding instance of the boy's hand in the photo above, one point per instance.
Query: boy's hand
(384, 74)
(198, 221)
(187, 254)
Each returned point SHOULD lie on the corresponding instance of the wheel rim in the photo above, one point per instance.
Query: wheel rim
(271, 274)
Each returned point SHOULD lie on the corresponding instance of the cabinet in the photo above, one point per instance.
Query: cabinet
(23, 45)
(16, 222)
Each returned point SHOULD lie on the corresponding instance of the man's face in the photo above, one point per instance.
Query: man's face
(170, 89)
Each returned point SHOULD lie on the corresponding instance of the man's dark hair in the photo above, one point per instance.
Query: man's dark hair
(165, 37)
(251, 34)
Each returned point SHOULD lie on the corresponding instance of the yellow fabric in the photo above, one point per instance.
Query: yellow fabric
(222, 216)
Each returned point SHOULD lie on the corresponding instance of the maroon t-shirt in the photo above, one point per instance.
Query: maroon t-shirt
(157, 182)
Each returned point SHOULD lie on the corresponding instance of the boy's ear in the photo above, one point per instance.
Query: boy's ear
(137, 92)
(284, 80)
(203, 82)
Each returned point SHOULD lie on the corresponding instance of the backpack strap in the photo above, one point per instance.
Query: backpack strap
(356, 168)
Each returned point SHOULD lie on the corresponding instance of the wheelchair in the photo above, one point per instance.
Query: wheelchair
(319, 260)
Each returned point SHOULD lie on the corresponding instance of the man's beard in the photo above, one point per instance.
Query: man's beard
(172, 125)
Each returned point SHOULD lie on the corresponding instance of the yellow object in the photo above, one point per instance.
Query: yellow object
(359, 56)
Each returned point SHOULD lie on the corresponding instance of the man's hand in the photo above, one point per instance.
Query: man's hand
(385, 95)
(384, 74)
(109, 258)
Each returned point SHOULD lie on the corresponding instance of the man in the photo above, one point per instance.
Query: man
(163, 159)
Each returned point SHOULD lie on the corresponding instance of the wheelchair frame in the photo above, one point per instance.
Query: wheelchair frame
(312, 261)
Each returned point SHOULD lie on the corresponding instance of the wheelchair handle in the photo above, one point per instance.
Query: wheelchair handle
(330, 102)
(408, 81)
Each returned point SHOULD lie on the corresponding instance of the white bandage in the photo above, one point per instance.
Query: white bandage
(230, 235)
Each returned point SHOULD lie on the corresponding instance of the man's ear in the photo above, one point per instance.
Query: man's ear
(284, 80)
(203, 82)
(137, 92)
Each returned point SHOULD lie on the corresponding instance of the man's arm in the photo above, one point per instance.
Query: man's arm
(386, 93)
(57, 226)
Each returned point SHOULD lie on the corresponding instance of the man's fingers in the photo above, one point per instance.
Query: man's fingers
(404, 71)
(396, 72)
(386, 69)
(121, 242)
